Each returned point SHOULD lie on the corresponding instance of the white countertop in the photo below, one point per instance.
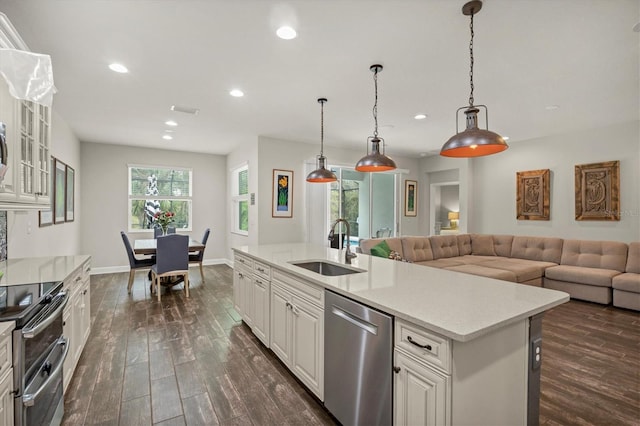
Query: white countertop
(30, 270)
(457, 305)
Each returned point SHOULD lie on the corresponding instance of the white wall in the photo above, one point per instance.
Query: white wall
(24, 237)
(104, 200)
(494, 207)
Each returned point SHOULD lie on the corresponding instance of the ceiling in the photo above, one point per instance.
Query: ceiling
(579, 55)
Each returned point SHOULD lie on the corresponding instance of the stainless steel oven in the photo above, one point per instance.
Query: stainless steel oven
(39, 350)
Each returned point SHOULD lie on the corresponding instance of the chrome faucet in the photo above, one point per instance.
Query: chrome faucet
(347, 254)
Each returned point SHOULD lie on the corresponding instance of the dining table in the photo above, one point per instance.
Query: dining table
(149, 246)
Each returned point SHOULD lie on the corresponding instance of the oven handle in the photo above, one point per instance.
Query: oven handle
(29, 333)
(29, 399)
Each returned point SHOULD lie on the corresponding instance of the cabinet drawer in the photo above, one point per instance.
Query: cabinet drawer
(262, 270)
(428, 347)
(308, 291)
(6, 345)
(243, 261)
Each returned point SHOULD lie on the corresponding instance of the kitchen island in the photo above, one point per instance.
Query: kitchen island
(467, 349)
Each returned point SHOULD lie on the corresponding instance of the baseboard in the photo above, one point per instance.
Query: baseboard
(118, 269)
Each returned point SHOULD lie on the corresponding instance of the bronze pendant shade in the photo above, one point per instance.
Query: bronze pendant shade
(376, 160)
(473, 141)
(321, 174)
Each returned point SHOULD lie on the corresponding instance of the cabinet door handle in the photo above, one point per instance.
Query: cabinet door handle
(240, 275)
(295, 310)
(85, 291)
(259, 282)
(288, 305)
(260, 269)
(396, 369)
(413, 342)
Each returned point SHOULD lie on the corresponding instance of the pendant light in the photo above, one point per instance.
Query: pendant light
(321, 174)
(375, 161)
(473, 142)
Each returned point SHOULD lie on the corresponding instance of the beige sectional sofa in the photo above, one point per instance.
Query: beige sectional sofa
(626, 286)
(597, 271)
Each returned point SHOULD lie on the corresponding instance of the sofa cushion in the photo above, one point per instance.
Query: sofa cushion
(472, 259)
(595, 254)
(633, 260)
(444, 246)
(544, 249)
(627, 282)
(525, 270)
(394, 244)
(417, 249)
(482, 245)
(581, 275)
(464, 244)
(442, 263)
(381, 249)
(502, 245)
(499, 274)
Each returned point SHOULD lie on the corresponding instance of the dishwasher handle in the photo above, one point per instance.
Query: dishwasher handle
(366, 326)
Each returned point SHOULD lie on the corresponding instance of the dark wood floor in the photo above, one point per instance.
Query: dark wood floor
(191, 361)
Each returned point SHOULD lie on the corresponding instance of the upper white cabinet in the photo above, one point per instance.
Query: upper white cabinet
(27, 134)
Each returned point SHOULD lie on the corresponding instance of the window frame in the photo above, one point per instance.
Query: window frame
(187, 198)
(237, 198)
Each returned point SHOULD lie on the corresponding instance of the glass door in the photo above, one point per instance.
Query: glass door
(366, 200)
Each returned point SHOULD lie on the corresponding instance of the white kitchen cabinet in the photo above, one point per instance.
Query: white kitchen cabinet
(261, 289)
(251, 287)
(297, 328)
(76, 317)
(6, 373)
(442, 381)
(6, 397)
(27, 182)
(420, 393)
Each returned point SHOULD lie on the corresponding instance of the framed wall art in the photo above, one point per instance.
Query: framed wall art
(597, 188)
(59, 191)
(45, 218)
(70, 194)
(533, 195)
(282, 204)
(410, 198)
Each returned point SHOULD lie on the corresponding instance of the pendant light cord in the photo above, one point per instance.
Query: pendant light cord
(375, 105)
(321, 128)
(471, 62)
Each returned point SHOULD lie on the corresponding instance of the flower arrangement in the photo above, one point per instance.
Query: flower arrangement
(163, 219)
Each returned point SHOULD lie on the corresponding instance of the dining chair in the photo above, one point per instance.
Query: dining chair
(199, 256)
(134, 262)
(172, 258)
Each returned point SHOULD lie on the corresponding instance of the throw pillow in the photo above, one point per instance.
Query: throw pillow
(381, 249)
(482, 245)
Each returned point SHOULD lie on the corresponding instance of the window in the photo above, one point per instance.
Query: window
(152, 189)
(240, 197)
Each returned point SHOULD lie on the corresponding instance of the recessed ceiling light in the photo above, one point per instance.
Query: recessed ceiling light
(118, 68)
(167, 137)
(551, 107)
(169, 131)
(236, 93)
(506, 138)
(171, 123)
(420, 116)
(286, 33)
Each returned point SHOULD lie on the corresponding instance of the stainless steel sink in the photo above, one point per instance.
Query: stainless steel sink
(326, 268)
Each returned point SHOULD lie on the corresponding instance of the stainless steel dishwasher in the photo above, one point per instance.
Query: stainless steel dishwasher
(358, 356)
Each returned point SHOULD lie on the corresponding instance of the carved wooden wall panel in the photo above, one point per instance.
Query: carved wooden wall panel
(533, 195)
(598, 191)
